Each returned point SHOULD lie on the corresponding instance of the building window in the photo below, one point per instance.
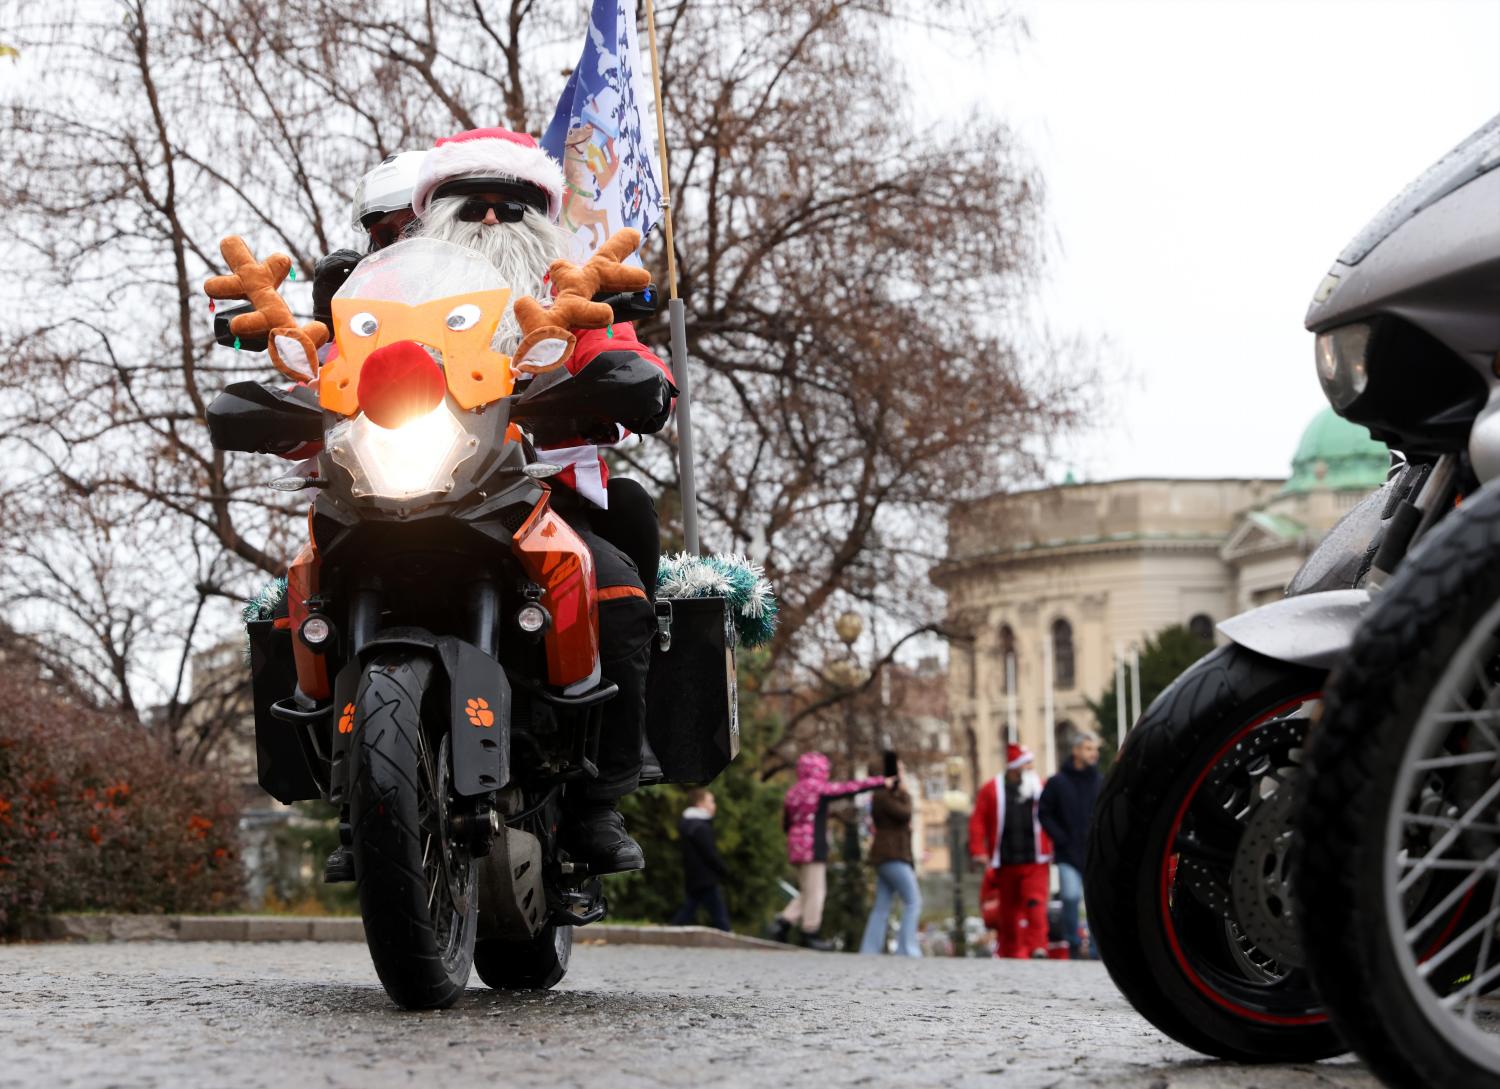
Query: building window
(1007, 655)
(1062, 653)
(973, 746)
(1202, 626)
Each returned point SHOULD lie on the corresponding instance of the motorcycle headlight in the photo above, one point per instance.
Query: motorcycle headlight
(415, 459)
(1341, 363)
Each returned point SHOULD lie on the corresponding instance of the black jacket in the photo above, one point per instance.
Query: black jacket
(702, 868)
(1067, 808)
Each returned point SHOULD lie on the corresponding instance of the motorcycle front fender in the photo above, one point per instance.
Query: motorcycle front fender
(475, 698)
(1309, 629)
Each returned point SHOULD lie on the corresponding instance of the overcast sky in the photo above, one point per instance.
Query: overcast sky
(1205, 162)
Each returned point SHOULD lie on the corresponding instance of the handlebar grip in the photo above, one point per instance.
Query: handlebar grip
(632, 305)
(223, 316)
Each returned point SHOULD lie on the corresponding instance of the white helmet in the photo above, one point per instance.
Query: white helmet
(387, 188)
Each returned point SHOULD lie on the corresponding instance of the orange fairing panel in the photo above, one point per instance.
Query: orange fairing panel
(555, 558)
(459, 326)
(301, 584)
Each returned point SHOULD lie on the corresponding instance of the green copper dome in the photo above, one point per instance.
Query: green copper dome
(1337, 455)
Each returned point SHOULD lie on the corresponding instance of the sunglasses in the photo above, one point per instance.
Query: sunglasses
(389, 229)
(475, 209)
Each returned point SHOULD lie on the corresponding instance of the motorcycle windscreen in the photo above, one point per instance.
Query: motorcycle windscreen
(556, 559)
(445, 297)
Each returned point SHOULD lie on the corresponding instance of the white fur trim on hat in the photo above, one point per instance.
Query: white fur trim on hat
(482, 156)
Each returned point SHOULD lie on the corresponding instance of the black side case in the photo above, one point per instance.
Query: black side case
(280, 757)
(692, 704)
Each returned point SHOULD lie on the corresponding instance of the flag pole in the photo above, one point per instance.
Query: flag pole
(675, 314)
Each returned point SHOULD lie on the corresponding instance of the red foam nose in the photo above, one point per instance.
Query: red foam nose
(399, 382)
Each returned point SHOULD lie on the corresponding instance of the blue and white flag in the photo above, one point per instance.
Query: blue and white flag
(596, 133)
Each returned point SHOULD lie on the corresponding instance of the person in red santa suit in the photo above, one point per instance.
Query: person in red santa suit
(499, 193)
(1006, 838)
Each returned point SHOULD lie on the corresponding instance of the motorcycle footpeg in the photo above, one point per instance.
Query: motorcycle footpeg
(580, 906)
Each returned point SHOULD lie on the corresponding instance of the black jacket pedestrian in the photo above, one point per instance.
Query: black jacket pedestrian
(1067, 808)
(702, 867)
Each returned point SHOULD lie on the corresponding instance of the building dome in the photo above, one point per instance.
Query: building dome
(1337, 455)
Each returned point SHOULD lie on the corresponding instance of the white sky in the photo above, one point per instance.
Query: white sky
(1205, 162)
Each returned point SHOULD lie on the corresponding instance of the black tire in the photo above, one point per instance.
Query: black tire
(536, 964)
(422, 956)
(1418, 625)
(1170, 955)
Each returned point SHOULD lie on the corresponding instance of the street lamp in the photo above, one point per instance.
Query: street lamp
(848, 676)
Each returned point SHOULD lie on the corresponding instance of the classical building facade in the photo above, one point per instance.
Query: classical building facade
(1059, 584)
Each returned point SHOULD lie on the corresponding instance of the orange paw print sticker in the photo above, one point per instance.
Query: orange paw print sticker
(479, 712)
(346, 720)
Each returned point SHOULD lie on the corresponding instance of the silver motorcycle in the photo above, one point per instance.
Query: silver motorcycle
(1192, 874)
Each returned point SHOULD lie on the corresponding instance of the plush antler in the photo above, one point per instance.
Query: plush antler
(547, 339)
(294, 348)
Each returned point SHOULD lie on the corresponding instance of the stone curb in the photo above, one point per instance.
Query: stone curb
(298, 928)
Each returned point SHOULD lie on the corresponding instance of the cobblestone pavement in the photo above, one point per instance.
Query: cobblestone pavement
(204, 1016)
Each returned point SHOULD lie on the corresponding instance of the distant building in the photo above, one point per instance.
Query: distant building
(1060, 580)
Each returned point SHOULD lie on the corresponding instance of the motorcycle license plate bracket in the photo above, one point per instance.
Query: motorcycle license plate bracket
(479, 709)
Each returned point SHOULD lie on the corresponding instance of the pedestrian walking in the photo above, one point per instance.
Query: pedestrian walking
(1006, 838)
(804, 816)
(1067, 809)
(703, 868)
(895, 871)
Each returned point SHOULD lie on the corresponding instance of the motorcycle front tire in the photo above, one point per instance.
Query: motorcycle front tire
(1356, 754)
(1183, 734)
(423, 961)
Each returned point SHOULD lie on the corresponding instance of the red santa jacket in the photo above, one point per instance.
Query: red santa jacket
(584, 469)
(988, 819)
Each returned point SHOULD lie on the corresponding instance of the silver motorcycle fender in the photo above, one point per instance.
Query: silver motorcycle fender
(1309, 629)
(1484, 440)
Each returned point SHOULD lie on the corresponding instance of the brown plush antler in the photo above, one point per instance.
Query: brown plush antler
(548, 339)
(294, 348)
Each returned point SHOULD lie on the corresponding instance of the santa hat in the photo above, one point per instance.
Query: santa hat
(1017, 756)
(489, 153)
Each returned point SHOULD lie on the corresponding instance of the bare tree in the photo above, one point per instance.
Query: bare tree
(855, 285)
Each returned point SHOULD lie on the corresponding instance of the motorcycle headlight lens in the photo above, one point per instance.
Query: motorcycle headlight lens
(1341, 363)
(415, 459)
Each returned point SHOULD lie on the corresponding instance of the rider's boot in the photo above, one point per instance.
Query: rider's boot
(339, 867)
(811, 940)
(596, 836)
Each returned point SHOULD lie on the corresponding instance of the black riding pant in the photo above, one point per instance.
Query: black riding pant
(627, 625)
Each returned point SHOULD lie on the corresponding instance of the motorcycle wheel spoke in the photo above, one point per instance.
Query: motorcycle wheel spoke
(1457, 893)
(1432, 820)
(1471, 815)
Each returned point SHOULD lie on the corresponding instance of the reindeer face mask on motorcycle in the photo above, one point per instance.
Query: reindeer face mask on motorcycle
(425, 295)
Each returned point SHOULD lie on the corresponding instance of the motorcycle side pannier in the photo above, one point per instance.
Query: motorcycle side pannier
(692, 705)
(280, 758)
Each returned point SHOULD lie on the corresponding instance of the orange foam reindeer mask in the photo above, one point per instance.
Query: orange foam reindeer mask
(461, 327)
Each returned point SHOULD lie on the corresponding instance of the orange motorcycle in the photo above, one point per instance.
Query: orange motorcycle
(432, 669)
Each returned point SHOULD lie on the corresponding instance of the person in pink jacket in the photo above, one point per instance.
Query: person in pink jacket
(804, 816)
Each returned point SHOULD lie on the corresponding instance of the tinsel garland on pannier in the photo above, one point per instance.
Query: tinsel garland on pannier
(263, 606)
(752, 600)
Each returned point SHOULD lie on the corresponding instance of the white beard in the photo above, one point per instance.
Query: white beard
(521, 253)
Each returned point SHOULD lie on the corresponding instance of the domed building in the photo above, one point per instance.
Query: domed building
(1058, 584)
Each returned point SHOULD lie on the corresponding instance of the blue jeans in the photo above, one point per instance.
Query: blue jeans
(1070, 882)
(710, 898)
(899, 879)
